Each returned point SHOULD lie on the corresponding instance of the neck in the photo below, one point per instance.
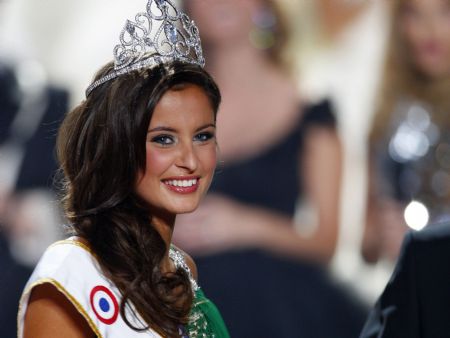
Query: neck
(226, 63)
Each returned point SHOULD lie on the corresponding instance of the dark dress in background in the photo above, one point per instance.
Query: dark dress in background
(13, 278)
(39, 163)
(263, 295)
(36, 170)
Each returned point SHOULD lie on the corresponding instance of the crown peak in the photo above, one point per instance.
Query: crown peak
(156, 36)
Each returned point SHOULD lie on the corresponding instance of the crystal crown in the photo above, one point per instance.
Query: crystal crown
(161, 34)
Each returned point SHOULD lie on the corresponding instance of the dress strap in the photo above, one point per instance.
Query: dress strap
(178, 259)
(204, 319)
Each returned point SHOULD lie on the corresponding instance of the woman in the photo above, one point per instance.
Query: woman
(277, 152)
(269, 112)
(409, 142)
(138, 151)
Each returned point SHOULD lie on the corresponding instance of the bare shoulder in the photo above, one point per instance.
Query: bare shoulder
(190, 262)
(324, 143)
(323, 135)
(51, 314)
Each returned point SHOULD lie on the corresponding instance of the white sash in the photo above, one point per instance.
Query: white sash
(72, 269)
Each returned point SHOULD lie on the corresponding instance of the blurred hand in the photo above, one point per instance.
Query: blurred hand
(32, 221)
(219, 224)
(392, 228)
(4, 202)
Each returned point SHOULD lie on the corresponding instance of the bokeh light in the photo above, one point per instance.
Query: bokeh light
(416, 215)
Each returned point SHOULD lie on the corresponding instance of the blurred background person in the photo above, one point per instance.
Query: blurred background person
(266, 233)
(30, 110)
(409, 181)
(340, 48)
(29, 113)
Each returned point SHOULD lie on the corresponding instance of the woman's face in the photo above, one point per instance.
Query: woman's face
(425, 26)
(223, 21)
(180, 151)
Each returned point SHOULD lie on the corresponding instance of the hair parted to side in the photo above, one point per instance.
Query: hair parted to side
(101, 149)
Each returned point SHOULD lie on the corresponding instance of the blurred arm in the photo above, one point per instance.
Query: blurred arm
(385, 225)
(322, 168)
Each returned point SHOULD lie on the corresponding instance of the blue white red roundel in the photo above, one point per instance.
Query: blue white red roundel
(104, 304)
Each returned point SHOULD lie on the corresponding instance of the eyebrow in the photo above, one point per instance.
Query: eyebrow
(172, 130)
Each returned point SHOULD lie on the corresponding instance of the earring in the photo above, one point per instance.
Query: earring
(262, 36)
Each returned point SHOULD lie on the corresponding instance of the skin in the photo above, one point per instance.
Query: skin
(385, 225)
(226, 19)
(180, 142)
(425, 29)
(255, 115)
(51, 314)
(336, 16)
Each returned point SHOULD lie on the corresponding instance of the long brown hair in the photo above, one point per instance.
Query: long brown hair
(402, 79)
(101, 150)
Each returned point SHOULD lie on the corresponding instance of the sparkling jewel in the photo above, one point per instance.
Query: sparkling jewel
(130, 28)
(179, 262)
(171, 33)
(148, 41)
(146, 47)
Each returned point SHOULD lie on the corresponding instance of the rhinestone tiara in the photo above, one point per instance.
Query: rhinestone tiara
(159, 35)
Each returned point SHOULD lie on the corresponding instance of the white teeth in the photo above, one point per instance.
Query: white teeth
(182, 183)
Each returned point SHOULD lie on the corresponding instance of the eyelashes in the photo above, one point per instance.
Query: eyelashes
(166, 140)
(163, 140)
(204, 136)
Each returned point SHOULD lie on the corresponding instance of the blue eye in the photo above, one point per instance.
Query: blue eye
(204, 137)
(163, 140)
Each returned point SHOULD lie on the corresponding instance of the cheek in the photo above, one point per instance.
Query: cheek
(157, 161)
(429, 48)
(417, 32)
(446, 35)
(208, 158)
(411, 32)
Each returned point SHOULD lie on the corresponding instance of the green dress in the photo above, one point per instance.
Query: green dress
(205, 320)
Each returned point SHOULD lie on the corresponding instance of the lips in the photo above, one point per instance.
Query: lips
(185, 185)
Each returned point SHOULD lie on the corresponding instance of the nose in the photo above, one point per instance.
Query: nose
(187, 158)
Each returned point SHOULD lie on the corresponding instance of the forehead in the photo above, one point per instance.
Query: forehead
(185, 105)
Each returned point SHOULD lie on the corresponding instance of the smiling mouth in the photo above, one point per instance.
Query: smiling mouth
(182, 186)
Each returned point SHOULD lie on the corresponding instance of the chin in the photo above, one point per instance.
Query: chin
(434, 70)
(184, 209)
